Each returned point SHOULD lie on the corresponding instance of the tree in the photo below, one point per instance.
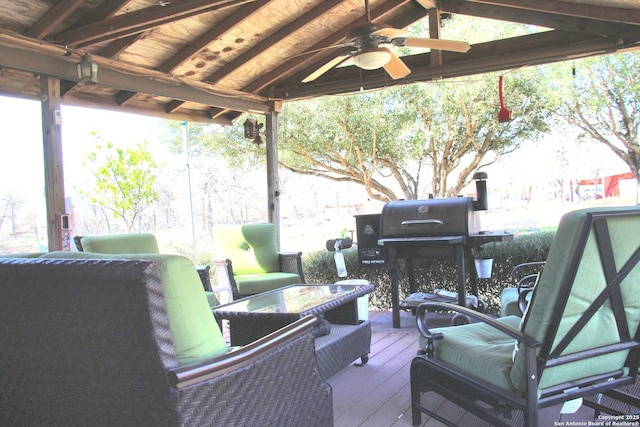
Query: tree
(124, 181)
(604, 103)
(227, 170)
(387, 141)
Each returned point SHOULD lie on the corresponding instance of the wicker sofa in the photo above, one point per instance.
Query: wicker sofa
(87, 341)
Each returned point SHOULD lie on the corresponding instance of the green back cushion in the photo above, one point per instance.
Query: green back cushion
(142, 243)
(194, 331)
(252, 248)
(589, 281)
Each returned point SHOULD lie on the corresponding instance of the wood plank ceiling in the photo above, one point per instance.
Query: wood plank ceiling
(210, 61)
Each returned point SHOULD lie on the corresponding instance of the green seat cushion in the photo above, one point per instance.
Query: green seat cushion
(249, 284)
(252, 248)
(479, 349)
(194, 331)
(141, 243)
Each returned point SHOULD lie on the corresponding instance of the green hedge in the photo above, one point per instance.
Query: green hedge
(431, 274)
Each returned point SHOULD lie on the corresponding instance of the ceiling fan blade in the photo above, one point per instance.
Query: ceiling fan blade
(396, 68)
(450, 45)
(322, 49)
(389, 32)
(326, 67)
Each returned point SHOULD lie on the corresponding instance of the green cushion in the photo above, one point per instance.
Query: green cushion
(252, 248)
(478, 349)
(194, 331)
(249, 284)
(211, 299)
(509, 302)
(141, 243)
(588, 282)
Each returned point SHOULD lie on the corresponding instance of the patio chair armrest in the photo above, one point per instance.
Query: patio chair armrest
(274, 380)
(421, 321)
(242, 357)
(530, 269)
(291, 262)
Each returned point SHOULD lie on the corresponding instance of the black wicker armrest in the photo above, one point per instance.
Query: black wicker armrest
(423, 328)
(291, 262)
(242, 356)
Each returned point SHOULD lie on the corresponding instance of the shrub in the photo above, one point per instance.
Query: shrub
(431, 274)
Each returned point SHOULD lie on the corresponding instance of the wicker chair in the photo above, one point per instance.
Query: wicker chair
(137, 243)
(579, 336)
(89, 342)
(252, 263)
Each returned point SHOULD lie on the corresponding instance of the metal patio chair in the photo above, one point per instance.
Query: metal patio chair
(579, 336)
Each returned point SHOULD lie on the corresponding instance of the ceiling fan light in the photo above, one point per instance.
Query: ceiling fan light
(372, 59)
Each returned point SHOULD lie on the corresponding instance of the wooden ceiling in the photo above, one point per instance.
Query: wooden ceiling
(210, 61)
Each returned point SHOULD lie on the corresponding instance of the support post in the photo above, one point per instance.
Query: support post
(273, 180)
(434, 33)
(52, 149)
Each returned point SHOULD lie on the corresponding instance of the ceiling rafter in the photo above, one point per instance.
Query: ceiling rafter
(110, 8)
(48, 37)
(216, 32)
(529, 16)
(140, 20)
(53, 18)
(581, 10)
(316, 59)
(409, 14)
(532, 49)
(270, 41)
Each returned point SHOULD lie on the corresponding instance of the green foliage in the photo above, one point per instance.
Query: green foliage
(602, 99)
(319, 267)
(411, 132)
(124, 180)
(227, 142)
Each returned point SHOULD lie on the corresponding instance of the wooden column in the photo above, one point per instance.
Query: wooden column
(52, 149)
(273, 180)
(434, 33)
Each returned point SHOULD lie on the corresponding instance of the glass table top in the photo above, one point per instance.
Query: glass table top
(292, 299)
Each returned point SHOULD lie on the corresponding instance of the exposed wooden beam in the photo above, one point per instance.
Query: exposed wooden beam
(272, 40)
(45, 59)
(434, 33)
(53, 18)
(216, 32)
(140, 20)
(581, 10)
(124, 96)
(533, 49)
(53, 163)
(532, 17)
(118, 46)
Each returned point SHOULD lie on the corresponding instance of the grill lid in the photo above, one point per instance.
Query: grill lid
(452, 216)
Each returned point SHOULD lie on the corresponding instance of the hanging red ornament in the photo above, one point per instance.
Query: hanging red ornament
(504, 115)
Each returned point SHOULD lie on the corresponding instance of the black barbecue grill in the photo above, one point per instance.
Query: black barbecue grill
(433, 228)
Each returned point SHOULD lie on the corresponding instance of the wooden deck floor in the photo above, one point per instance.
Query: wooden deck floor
(378, 394)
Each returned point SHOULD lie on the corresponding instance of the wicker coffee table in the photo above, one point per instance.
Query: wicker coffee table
(349, 338)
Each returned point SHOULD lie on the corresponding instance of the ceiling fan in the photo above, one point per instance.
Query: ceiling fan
(363, 47)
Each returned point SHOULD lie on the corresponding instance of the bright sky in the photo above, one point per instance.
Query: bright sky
(21, 168)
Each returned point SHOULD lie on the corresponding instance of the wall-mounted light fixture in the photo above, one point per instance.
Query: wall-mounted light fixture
(87, 70)
(252, 131)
